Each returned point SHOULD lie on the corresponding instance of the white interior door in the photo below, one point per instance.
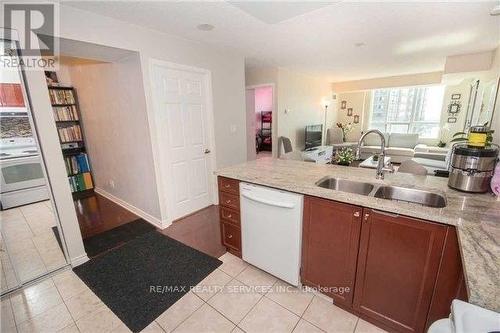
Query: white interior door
(182, 123)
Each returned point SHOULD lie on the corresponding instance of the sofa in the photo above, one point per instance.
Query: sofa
(401, 147)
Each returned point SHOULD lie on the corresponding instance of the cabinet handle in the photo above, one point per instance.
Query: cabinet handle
(356, 214)
(229, 216)
(228, 201)
(366, 217)
(229, 236)
(227, 186)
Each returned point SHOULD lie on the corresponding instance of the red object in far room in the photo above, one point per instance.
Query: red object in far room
(11, 95)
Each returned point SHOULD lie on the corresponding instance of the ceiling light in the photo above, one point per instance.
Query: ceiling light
(359, 44)
(205, 27)
(495, 11)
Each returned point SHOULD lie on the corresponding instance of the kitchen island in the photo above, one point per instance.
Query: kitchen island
(475, 216)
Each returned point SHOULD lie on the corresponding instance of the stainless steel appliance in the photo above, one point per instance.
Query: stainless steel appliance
(472, 168)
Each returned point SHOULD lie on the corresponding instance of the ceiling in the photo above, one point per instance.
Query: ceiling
(341, 40)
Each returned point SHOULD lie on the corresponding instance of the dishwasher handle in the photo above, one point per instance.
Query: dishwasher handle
(268, 202)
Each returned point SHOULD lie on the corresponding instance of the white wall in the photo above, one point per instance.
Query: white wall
(114, 115)
(226, 66)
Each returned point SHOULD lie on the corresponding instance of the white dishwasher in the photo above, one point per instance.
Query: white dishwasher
(271, 230)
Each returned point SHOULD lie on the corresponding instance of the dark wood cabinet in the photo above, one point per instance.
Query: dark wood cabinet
(229, 214)
(398, 262)
(403, 273)
(330, 247)
(450, 281)
(11, 95)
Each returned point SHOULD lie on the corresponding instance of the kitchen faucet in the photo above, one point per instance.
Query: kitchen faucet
(381, 168)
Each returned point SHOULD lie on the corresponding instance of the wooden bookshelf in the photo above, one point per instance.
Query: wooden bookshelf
(71, 138)
(266, 130)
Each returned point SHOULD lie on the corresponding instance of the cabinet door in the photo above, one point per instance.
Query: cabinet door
(397, 268)
(330, 247)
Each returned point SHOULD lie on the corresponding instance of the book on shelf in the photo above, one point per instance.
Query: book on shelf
(77, 164)
(61, 96)
(70, 133)
(81, 182)
(65, 113)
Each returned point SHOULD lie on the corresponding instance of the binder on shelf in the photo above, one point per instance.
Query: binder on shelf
(77, 164)
(81, 182)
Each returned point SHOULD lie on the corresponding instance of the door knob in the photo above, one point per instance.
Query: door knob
(207, 151)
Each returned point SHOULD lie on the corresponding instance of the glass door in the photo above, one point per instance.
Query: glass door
(31, 242)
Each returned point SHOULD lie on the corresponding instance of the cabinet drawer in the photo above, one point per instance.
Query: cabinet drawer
(229, 200)
(229, 185)
(230, 215)
(231, 236)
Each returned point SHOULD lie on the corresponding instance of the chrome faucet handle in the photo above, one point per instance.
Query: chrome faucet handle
(389, 168)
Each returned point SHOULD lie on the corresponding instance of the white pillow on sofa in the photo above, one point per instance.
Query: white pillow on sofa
(403, 140)
(373, 139)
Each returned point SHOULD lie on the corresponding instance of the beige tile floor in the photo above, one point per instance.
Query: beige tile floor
(236, 297)
(26, 234)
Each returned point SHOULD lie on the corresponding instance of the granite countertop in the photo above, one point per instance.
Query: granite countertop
(476, 216)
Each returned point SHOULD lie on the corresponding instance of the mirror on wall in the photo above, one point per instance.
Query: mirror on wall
(482, 100)
(31, 244)
(488, 101)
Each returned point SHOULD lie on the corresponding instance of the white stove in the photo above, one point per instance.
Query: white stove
(22, 178)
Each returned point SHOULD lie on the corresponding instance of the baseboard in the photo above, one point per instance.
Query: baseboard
(142, 214)
(79, 260)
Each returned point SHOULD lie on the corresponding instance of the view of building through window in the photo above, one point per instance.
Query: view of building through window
(408, 110)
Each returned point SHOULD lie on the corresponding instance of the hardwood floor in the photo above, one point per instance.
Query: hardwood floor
(97, 214)
(200, 230)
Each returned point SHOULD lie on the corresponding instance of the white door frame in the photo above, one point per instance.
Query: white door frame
(161, 181)
(274, 115)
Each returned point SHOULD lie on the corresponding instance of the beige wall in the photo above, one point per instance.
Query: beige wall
(388, 82)
(471, 62)
(114, 115)
(299, 104)
(297, 100)
(360, 102)
(226, 66)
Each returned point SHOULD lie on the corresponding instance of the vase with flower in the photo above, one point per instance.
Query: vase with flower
(346, 129)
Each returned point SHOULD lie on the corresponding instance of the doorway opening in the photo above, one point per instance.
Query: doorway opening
(99, 110)
(261, 120)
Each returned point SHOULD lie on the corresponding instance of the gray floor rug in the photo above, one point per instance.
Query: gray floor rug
(141, 279)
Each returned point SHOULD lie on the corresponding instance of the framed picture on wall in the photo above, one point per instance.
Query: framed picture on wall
(349, 112)
(452, 120)
(343, 105)
(456, 96)
(356, 119)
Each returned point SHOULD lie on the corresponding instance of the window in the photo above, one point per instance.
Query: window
(408, 110)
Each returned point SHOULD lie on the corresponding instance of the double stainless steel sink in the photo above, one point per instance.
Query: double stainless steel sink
(424, 198)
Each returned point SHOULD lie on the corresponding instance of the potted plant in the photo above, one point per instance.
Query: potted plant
(441, 144)
(345, 156)
(346, 129)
